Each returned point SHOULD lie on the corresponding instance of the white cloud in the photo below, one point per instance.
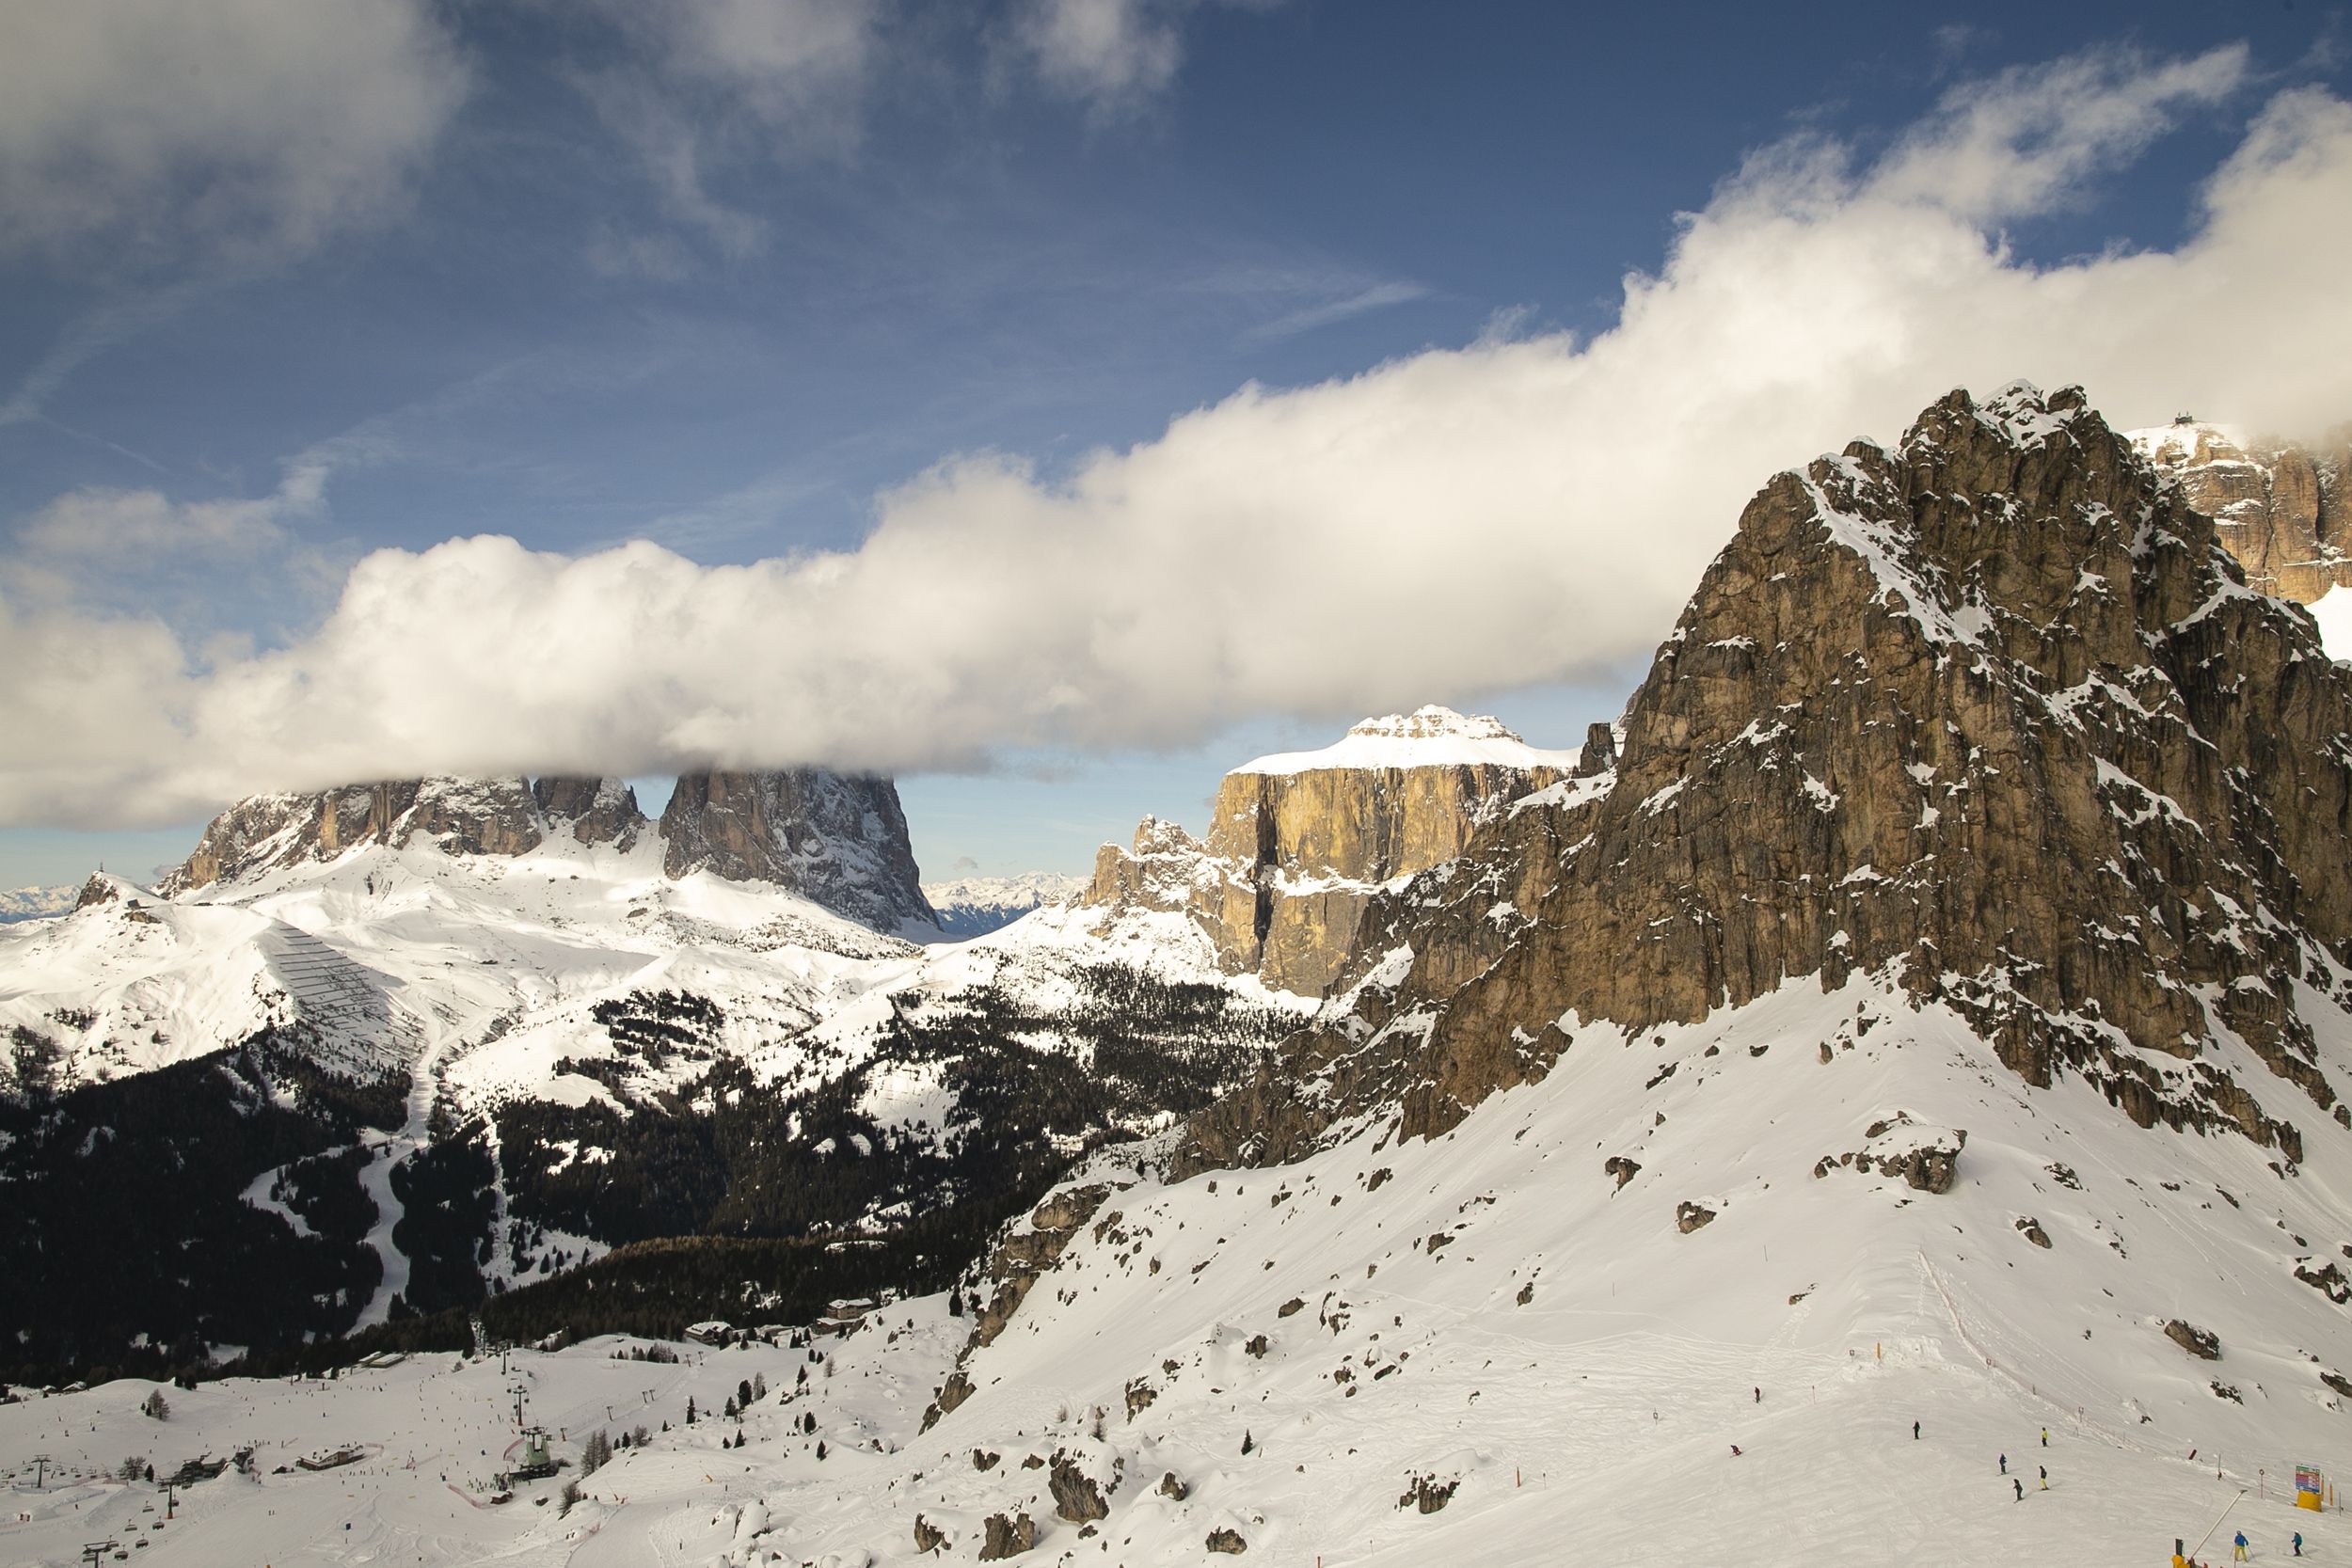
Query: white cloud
(1453, 523)
(707, 81)
(1118, 55)
(105, 545)
(1109, 52)
(247, 128)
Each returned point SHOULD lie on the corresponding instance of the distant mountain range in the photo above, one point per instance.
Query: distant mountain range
(970, 907)
(33, 903)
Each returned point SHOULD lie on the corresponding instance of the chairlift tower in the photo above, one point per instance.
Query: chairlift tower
(41, 1472)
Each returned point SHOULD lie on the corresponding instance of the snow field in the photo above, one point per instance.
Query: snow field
(1591, 1420)
(1612, 1396)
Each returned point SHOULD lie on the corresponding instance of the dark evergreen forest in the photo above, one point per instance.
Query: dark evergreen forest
(131, 1245)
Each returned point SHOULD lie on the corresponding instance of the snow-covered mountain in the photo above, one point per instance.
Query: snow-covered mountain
(1905, 1074)
(974, 906)
(1937, 1013)
(511, 1026)
(33, 903)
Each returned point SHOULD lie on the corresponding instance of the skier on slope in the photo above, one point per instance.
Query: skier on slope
(1914, 1431)
(2004, 1464)
(2046, 1476)
(2237, 1549)
(2020, 1484)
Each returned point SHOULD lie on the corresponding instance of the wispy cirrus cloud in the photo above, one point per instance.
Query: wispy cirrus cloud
(1359, 302)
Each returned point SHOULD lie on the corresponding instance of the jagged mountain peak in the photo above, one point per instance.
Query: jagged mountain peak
(1990, 715)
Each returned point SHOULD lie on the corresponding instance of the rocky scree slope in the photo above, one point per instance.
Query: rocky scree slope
(1992, 715)
(1300, 844)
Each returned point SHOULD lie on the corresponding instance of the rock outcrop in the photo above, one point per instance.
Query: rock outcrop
(474, 816)
(462, 816)
(1991, 716)
(836, 839)
(1004, 1536)
(1300, 844)
(595, 811)
(2284, 510)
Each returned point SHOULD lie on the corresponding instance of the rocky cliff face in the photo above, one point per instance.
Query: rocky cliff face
(464, 816)
(597, 810)
(268, 832)
(1992, 716)
(1300, 844)
(2282, 510)
(837, 839)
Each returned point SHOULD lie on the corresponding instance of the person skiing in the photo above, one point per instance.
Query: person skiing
(2046, 1476)
(2019, 1483)
(1914, 1431)
(2237, 1549)
(1759, 1395)
(1734, 1450)
(2004, 1464)
(2045, 1438)
(2298, 1543)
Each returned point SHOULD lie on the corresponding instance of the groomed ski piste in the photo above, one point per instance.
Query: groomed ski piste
(1572, 1364)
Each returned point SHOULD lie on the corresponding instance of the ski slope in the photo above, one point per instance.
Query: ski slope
(1592, 1419)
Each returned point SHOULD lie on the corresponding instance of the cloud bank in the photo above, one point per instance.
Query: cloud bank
(250, 129)
(1449, 524)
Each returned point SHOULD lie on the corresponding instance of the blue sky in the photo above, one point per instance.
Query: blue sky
(737, 278)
